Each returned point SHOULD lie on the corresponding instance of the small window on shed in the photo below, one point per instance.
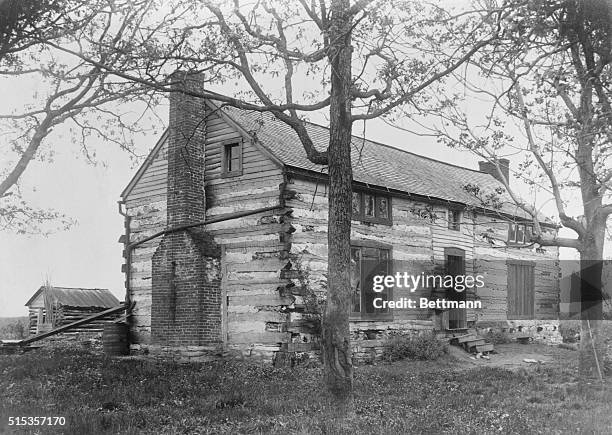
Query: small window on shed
(232, 159)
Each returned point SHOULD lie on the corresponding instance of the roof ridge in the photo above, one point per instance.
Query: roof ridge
(77, 288)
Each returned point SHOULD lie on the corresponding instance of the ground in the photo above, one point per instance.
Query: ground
(512, 356)
(452, 395)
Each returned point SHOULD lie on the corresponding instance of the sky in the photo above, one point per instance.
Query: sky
(86, 255)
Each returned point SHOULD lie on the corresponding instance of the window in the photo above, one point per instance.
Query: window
(521, 284)
(368, 202)
(454, 220)
(232, 159)
(366, 262)
(370, 207)
(519, 234)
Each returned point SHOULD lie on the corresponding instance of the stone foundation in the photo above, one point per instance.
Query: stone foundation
(542, 331)
(369, 339)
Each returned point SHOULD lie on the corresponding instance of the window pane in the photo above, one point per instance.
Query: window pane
(528, 233)
(369, 205)
(356, 204)
(369, 257)
(365, 264)
(520, 233)
(234, 164)
(369, 269)
(355, 280)
(511, 233)
(372, 264)
(228, 157)
(232, 157)
(454, 219)
(384, 269)
(383, 207)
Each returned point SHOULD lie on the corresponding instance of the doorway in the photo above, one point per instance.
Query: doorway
(454, 259)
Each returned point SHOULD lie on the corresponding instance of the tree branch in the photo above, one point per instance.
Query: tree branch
(565, 219)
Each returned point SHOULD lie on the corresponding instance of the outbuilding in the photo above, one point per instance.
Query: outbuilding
(51, 307)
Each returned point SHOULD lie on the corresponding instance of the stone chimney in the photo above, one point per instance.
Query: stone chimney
(186, 271)
(491, 168)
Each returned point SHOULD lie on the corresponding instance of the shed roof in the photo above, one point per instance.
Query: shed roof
(79, 297)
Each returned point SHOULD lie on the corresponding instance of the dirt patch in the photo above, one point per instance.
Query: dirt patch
(513, 356)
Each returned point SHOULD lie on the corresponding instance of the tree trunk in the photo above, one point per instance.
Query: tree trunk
(591, 301)
(335, 323)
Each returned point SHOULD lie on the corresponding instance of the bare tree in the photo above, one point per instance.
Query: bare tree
(70, 91)
(550, 77)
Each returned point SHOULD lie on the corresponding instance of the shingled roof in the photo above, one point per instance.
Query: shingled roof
(79, 297)
(374, 163)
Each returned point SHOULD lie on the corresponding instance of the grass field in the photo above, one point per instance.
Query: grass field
(98, 396)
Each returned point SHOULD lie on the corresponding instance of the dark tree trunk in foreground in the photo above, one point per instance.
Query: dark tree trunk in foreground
(591, 304)
(591, 246)
(336, 339)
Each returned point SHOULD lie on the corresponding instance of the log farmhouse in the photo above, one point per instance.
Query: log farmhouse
(226, 240)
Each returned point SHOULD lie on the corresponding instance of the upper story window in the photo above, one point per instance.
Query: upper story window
(232, 159)
(454, 220)
(371, 207)
(519, 234)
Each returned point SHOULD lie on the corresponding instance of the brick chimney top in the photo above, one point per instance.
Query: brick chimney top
(491, 169)
(187, 134)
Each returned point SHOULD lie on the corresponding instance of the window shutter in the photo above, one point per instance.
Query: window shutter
(521, 291)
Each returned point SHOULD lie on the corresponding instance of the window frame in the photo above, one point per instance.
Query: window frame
(513, 229)
(361, 216)
(454, 225)
(457, 315)
(225, 146)
(362, 315)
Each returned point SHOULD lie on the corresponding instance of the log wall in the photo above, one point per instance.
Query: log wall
(254, 247)
(66, 315)
(419, 232)
(490, 260)
(410, 239)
